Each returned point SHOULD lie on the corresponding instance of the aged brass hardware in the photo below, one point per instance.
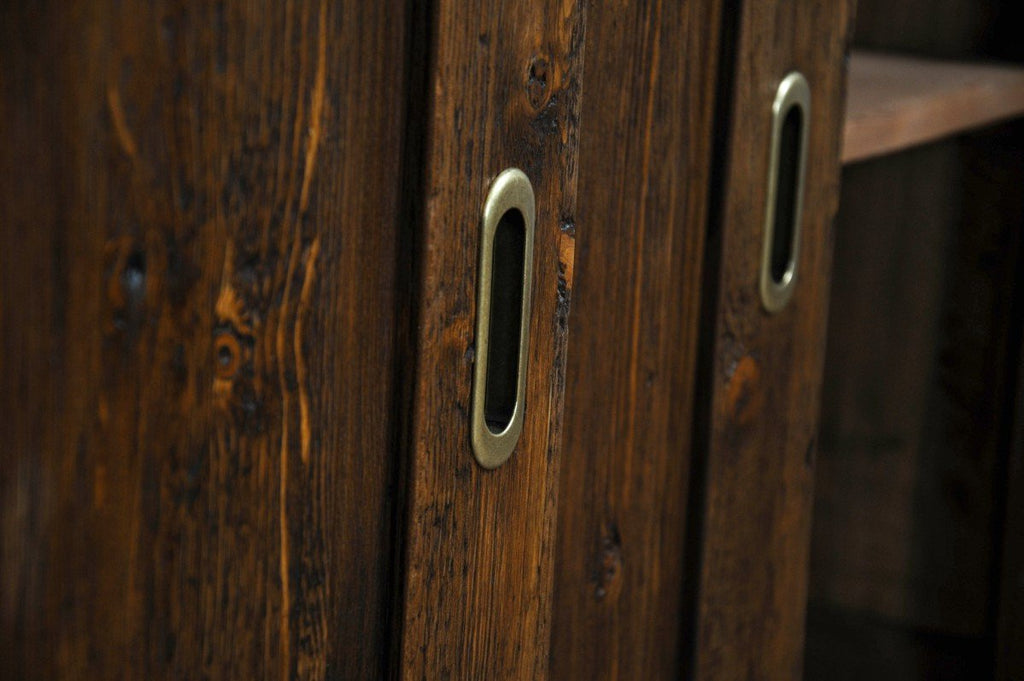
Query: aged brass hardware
(503, 317)
(791, 113)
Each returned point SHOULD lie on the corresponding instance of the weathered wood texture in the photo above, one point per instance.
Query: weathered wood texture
(504, 87)
(895, 102)
(197, 256)
(766, 373)
(645, 162)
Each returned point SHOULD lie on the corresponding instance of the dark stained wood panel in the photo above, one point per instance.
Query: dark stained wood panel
(762, 401)
(645, 162)
(503, 89)
(197, 266)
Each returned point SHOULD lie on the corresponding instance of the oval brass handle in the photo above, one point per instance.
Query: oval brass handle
(503, 317)
(791, 113)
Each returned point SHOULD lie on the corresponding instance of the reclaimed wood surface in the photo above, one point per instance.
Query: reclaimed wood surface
(895, 102)
(198, 228)
(503, 89)
(645, 162)
(762, 401)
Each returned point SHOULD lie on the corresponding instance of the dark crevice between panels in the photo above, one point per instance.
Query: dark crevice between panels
(706, 346)
(420, 40)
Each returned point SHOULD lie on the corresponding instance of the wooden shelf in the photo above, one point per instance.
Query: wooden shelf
(897, 102)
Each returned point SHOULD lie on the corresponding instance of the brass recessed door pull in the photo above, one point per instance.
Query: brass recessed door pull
(791, 113)
(503, 317)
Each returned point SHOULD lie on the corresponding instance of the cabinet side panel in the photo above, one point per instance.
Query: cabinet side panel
(645, 162)
(503, 91)
(198, 219)
(766, 368)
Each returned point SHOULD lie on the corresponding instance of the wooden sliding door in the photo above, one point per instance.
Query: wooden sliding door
(759, 407)
(199, 233)
(503, 90)
(240, 256)
(645, 176)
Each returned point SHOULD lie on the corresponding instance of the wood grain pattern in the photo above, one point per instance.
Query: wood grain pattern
(897, 102)
(504, 89)
(645, 162)
(195, 475)
(766, 372)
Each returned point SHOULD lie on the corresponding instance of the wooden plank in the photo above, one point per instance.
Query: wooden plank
(645, 162)
(765, 369)
(895, 102)
(197, 267)
(504, 89)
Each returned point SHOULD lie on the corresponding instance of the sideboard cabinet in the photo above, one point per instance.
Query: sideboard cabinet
(439, 339)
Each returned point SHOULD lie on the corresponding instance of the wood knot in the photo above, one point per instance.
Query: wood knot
(133, 277)
(232, 381)
(126, 285)
(228, 353)
(537, 86)
(609, 566)
(744, 399)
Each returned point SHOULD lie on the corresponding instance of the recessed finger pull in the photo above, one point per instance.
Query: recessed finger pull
(503, 317)
(791, 112)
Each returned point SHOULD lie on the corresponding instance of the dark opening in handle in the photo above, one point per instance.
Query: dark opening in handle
(785, 202)
(507, 259)
(785, 192)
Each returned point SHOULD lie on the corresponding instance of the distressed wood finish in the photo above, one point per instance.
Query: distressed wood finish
(196, 460)
(645, 161)
(504, 90)
(766, 371)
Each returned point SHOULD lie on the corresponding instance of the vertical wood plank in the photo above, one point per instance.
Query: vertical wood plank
(645, 161)
(503, 90)
(197, 266)
(766, 369)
